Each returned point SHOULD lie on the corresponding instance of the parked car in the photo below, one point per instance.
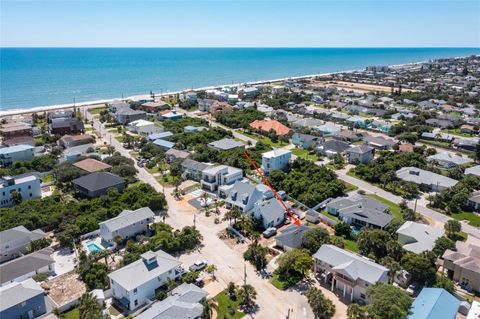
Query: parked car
(412, 289)
(198, 265)
(269, 232)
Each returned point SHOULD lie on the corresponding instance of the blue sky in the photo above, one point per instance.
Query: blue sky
(241, 23)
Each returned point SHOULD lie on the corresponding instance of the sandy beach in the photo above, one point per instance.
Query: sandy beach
(95, 103)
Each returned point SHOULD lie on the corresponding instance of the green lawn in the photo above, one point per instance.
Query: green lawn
(473, 219)
(394, 208)
(351, 245)
(224, 303)
(335, 218)
(72, 314)
(119, 138)
(165, 179)
(97, 110)
(349, 187)
(268, 141)
(456, 132)
(47, 179)
(278, 283)
(300, 152)
(436, 143)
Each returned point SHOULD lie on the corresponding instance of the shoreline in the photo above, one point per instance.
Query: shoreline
(89, 104)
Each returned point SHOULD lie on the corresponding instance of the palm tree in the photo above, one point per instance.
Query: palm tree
(211, 270)
(246, 224)
(204, 197)
(89, 308)
(164, 214)
(208, 306)
(247, 295)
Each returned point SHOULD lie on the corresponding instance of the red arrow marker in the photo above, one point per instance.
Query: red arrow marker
(295, 220)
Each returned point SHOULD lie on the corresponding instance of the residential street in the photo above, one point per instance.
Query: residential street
(273, 303)
(427, 212)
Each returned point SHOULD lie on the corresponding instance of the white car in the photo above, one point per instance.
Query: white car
(198, 265)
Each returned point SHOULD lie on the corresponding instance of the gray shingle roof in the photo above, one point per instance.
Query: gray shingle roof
(194, 165)
(137, 273)
(360, 149)
(18, 292)
(19, 233)
(420, 176)
(128, 217)
(98, 181)
(362, 208)
(26, 264)
(226, 144)
(356, 267)
(292, 236)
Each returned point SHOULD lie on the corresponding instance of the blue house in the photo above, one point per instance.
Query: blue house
(305, 140)
(24, 299)
(434, 303)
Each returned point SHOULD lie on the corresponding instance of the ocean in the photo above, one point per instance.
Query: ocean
(33, 77)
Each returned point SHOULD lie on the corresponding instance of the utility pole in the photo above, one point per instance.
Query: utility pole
(194, 220)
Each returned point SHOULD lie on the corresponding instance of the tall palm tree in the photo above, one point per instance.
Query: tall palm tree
(209, 305)
(89, 308)
(204, 197)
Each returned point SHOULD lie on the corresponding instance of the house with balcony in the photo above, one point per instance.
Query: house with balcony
(135, 284)
(276, 159)
(216, 176)
(22, 152)
(462, 265)
(348, 273)
(360, 154)
(27, 185)
(126, 225)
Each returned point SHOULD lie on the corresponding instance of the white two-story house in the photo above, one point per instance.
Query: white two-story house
(27, 185)
(126, 225)
(276, 159)
(135, 284)
(216, 176)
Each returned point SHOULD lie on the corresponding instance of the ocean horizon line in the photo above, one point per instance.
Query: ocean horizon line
(239, 47)
(40, 78)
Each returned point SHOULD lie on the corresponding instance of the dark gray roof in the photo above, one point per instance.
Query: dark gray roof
(362, 208)
(360, 149)
(292, 236)
(66, 122)
(334, 146)
(98, 180)
(26, 264)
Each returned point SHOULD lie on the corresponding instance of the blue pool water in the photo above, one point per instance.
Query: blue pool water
(93, 247)
(32, 77)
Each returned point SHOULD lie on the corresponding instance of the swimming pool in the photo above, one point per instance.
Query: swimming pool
(93, 247)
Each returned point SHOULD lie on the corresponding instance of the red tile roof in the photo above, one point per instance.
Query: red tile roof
(267, 125)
